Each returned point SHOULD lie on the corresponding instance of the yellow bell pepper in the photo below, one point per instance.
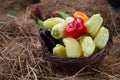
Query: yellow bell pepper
(59, 50)
(58, 31)
(101, 38)
(49, 23)
(73, 48)
(93, 24)
(88, 45)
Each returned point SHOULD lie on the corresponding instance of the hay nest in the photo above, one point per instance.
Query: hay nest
(20, 49)
(70, 66)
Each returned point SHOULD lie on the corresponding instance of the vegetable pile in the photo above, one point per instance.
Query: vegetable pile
(76, 36)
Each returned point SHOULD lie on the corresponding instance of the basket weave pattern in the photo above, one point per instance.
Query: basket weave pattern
(73, 65)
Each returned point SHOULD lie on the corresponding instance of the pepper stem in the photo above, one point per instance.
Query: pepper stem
(56, 33)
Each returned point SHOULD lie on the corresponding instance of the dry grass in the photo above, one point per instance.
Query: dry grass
(20, 49)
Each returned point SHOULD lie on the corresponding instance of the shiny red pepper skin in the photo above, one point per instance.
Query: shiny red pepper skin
(76, 28)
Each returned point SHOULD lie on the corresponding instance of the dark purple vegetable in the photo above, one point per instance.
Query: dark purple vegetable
(49, 41)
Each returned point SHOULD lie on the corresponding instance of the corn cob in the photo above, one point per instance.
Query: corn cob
(93, 24)
(88, 45)
(59, 50)
(73, 48)
(101, 38)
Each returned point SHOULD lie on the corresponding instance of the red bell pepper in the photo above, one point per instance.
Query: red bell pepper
(76, 28)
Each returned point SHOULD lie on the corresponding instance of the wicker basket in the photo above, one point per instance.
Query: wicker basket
(71, 66)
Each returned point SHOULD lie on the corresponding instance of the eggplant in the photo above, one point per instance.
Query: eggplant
(49, 41)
